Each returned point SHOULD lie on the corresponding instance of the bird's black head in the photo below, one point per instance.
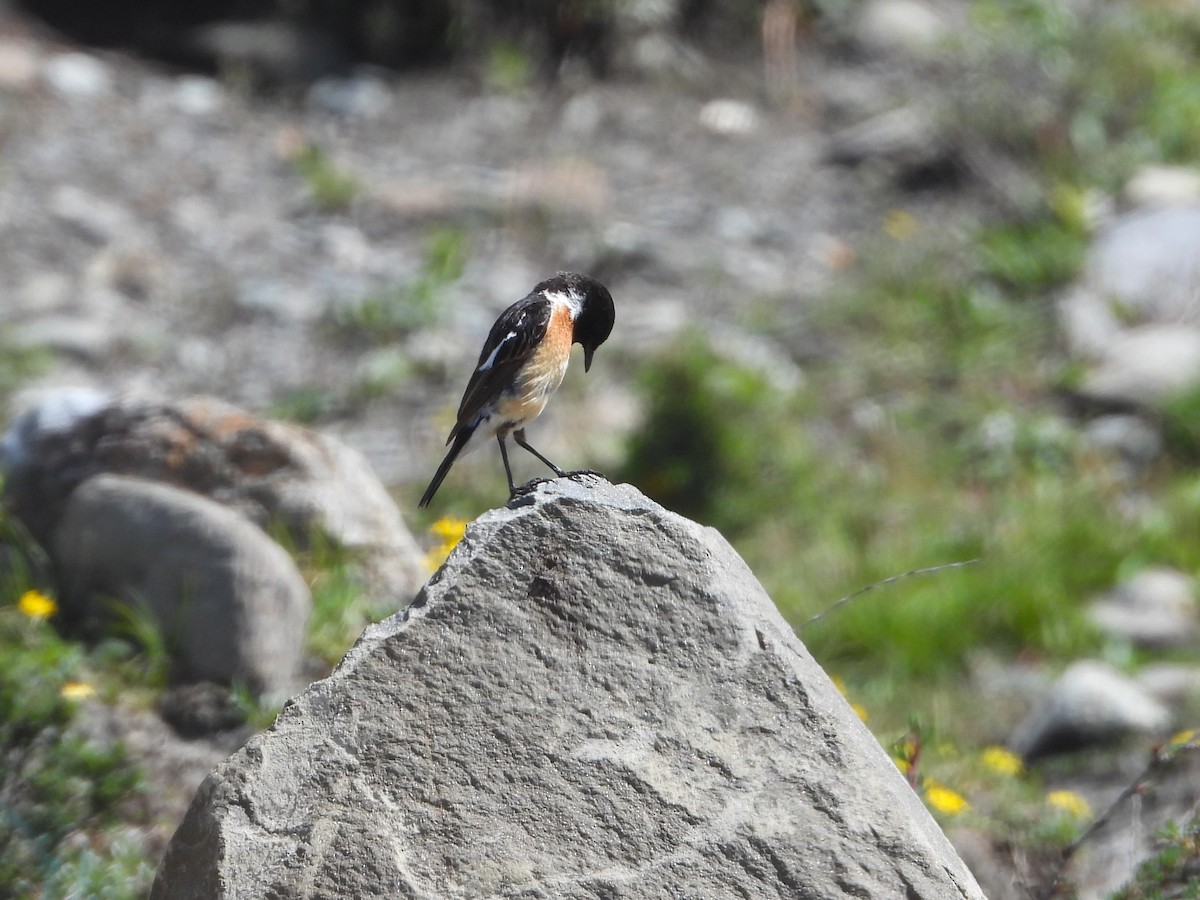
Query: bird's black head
(594, 322)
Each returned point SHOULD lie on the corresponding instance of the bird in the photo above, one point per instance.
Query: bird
(523, 362)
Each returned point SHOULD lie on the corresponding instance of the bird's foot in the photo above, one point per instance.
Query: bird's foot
(576, 473)
(528, 487)
(532, 485)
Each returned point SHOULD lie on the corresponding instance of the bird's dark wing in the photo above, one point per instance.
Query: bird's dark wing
(509, 345)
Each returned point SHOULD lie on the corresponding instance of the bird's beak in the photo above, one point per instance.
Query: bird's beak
(587, 357)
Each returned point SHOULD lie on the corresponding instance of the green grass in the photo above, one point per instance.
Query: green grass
(330, 188)
(385, 316)
(58, 786)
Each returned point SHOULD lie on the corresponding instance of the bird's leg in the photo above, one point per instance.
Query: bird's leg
(519, 437)
(507, 471)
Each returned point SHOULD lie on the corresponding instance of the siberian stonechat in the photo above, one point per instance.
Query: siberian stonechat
(523, 362)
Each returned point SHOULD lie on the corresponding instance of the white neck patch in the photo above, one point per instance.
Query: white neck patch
(571, 300)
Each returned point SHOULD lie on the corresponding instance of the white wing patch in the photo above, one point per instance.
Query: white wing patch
(487, 363)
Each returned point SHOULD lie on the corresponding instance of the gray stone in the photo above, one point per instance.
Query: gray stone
(77, 75)
(1146, 366)
(1155, 609)
(18, 64)
(98, 219)
(1158, 185)
(1128, 438)
(357, 97)
(87, 339)
(229, 602)
(1091, 704)
(274, 473)
(728, 117)
(1175, 684)
(594, 697)
(1142, 276)
(907, 138)
(902, 27)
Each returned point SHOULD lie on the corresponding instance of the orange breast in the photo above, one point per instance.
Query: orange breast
(543, 373)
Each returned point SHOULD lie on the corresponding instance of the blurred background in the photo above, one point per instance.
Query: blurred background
(899, 284)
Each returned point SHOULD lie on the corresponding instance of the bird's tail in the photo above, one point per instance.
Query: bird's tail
(460, 441)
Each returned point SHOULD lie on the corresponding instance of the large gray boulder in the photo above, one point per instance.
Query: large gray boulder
(593, 698)
(229, 602)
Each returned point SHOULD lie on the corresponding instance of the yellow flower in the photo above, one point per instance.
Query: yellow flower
(902, 764)
(900, 225)
(1071, 803)
(861, 711)
(945, 800)
(448, 530)
(37, 605)
(998, 759)
(1184, 737)
(77, 690)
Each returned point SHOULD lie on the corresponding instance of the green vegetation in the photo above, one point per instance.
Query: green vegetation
(1174, 872)
(331, 189)
(63, 797)
(386, 316)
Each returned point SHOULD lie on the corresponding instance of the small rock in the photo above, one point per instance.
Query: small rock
(1156, 186)
(1154, 609)
(1145, 267)
(41, 293)
(1091, 704)
(1130, 438)
(729, 117)
(1172, 683)
(279, 300)
(18, 65)
(907, 137)
(197, 95)
(353, 98)
(50, 417)
(901, 27)
(89, 340)
(229, 602)
(97, 219)
(1146, 366)
(77, 75)
(270, 51)
(203, 708)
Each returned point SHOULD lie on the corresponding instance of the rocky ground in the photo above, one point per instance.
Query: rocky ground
(169, 233)
(155, 233)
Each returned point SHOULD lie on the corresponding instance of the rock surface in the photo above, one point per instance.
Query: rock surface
(228, 601)
(593, 698)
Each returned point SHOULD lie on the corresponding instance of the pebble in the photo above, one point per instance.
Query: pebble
(1146, 366)
(353, 98)
(18, 65)
(77, 76)
(1155, 609)
(197, 95)
(901, 27)
(1130, 438)
(730, 117)
(95, 218)
(87, 339)
(1091, 704)
(1157, 186)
